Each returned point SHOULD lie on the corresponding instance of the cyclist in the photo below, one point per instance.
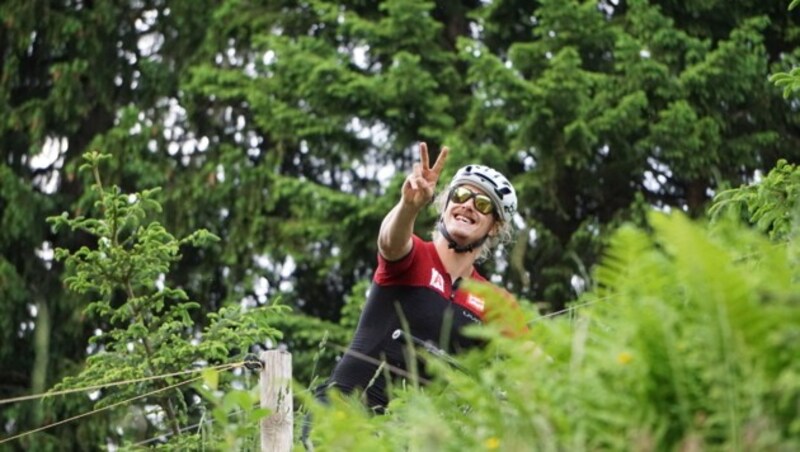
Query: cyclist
(415, 290)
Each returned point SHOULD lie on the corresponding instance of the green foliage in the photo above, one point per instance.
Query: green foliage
(284, 129)
(689, 341)
(771, 204)
(149, 326)
(18, 226)
(234, 415)
(600, 106)
(354, 304)
(789, 81)
(315, 346)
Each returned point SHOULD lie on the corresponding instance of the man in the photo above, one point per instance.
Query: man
(415, 296)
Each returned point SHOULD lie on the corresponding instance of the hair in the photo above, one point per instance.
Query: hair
(503, 236)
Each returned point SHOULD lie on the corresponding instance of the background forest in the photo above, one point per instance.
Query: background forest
(183, 182)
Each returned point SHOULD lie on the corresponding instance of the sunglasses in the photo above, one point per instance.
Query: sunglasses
(483, 203)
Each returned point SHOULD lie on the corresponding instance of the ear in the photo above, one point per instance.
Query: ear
(495, 229)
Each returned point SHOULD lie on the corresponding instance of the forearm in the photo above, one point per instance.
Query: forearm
(394, 238)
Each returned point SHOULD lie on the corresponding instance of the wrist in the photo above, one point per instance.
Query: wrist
(411, 206)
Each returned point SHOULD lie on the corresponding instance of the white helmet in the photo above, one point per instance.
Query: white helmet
(493, 183)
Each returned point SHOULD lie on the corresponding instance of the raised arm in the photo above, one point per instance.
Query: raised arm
(394, 239)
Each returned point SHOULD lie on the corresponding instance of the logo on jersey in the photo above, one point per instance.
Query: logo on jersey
(475, 302)
(437, 281)
(470, 316)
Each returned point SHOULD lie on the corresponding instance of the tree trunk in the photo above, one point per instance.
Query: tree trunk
(41, 343)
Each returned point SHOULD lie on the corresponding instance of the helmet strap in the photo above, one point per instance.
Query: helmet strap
(451, 244)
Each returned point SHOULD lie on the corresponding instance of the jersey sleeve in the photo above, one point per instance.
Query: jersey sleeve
(395, 272)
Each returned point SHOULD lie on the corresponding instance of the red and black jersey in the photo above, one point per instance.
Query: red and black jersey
(415, 291)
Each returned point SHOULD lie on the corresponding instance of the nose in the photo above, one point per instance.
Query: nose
(470, 206)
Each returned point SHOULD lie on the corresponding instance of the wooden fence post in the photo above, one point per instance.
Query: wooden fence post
(276, 395)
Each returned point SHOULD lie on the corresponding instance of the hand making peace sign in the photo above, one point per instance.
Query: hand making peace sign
(419, 186)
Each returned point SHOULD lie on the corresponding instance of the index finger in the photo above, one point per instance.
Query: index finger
(438, 165)
(423, 155)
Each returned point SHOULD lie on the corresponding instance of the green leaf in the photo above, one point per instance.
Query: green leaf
(210, 378)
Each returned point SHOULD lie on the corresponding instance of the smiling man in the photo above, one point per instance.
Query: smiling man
(415, 296)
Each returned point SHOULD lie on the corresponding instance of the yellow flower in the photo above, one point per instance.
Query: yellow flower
(624, 358)
(492, 443)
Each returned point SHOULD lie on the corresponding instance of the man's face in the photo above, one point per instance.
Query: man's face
(464, 221)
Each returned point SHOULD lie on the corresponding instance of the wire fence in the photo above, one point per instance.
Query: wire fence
(222, 367)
